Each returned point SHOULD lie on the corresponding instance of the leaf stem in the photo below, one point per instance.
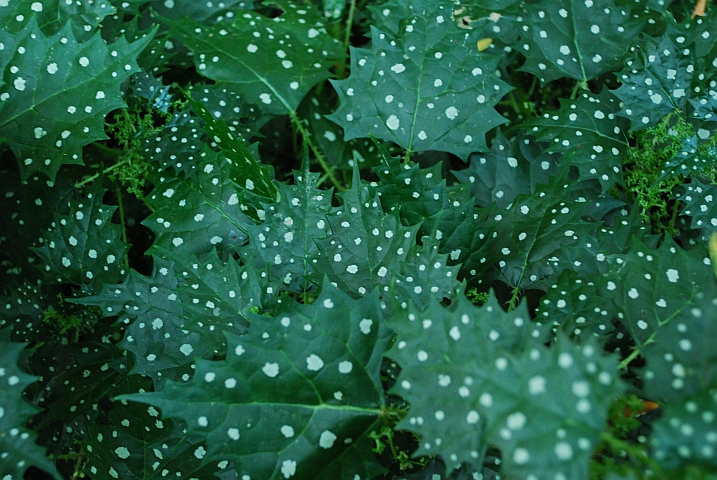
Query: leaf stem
(94, 177)
(349, 24)
(317, 153)
(124, 225)
(633, 355)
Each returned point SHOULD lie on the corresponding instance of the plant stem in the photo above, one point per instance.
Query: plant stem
(124, 226)
(317, 153)
(92, 178)
(633, 355)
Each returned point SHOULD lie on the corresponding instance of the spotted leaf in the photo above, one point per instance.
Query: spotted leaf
(479, 377)
(525, 242)
(588, 130)
(17, 444)
(425, 88)
(84, 247)
(651, 286)
(56, 93)
(657, 82)
(194, 216)
(296, 396)
(680, 376)
(273, 63)
(578, 40)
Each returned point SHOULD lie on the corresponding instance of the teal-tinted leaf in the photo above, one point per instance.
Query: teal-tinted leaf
(691, 160)
(84, 247)
(681, 375)
(217, 296)
(205, 12)
(272, 63)
(56, 100)
(421, 196)
(529, 239)
(285, 241)
(329, 136)
(27, 214)
(193, 216)
(652, 286)
(246, 171)
(578, 40)
(52, 15)
(17, 444)
(512, 167)
(587, 130)
(365, 245)
(574, 305)
(296, 396)
(387, 16)
(427, 88)
(162, 348)
(698, 201)
(657, 82)
(479, 377)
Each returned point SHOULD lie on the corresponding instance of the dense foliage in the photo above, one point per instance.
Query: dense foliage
(403, 239)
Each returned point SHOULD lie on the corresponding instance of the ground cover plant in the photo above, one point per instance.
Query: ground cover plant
(403, 239)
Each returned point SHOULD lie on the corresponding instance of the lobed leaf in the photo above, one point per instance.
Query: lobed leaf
(426, 88)
(59, 90)
(296, 396)
(475, 377)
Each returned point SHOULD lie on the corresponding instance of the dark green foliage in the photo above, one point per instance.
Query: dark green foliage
(361, 240)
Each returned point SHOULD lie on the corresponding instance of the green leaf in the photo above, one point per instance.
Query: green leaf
(296, 396)
(657, 82)
(284, 243)
(17, 443)
(366, 245)
(512, 167)
(698, 201)
(530, 237)
(681, 376)
(84, 247)
(588, 131)
(56, 101)
(246, 171)
(578, 40)
(273, 68)
(162, 348)
(53, 15)
(478, 377)
(427, 88)
(652, 286)
(193, 216)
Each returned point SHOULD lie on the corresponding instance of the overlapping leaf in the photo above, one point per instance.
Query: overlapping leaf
(246, 171)
(681, 376)
(56, 93)
(285, 241)
(512, 167)
(52, 15)
(588, 131)
(273, 63)
(84, 247)
(528, 240)
(426, 88)
(17, 444)
(652, 286)
(365, 245)
(193, 216)
(162, 348)
(698, 201)
(295, 397)
(422, 197)
(498, 384)
(657, 81)
(579, 40)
